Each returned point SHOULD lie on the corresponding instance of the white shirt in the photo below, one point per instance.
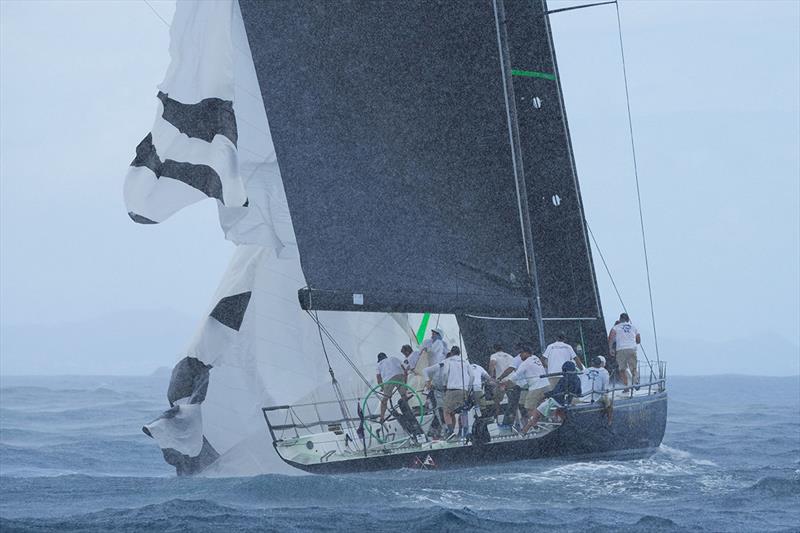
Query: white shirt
(527, 375)
(625, 336)
(502, 360)
(436, 375)
(389, 368)
(437, 349)
(516, 361)
(459, 373)
(410, 362)
(479, 375)
(594, 380)
(557, 354)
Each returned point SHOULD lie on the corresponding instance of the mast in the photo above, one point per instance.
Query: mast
(519, 171)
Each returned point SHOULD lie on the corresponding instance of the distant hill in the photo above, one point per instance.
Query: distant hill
(149, 342)
(132, 342)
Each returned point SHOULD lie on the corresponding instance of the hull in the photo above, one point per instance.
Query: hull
(636, 430)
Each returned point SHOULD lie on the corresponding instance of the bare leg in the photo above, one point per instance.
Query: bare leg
(449, 424)
(532, 421)
(384, 401)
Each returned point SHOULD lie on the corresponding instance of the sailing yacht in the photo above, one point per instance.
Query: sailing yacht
(374, 162)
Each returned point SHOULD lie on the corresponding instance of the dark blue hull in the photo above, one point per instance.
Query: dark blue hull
(636, 430)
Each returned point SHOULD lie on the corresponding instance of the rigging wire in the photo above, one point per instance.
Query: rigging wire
(156, 12)
(338, 347)
(337, 390)
(636, 175)
(614, 284)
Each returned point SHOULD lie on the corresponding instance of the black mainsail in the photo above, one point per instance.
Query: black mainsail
(425, 154)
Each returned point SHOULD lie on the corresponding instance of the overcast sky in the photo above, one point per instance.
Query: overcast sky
(715, 98)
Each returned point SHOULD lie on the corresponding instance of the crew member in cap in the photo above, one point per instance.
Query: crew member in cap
(389, 369)
(435, 348)
(595, 380)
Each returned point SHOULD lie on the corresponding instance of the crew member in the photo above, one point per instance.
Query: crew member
(595, 380)
(411, 359)
(480, 376)
(435, 347)
(514, 390)
(625, 339)
(435, 384)
(459, 384)
(499, 361)
(528, 378)
(389, 369)
(558, 353)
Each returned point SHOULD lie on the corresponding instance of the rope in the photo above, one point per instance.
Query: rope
(636, 175)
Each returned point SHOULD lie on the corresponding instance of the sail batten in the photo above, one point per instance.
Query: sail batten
(407, 301)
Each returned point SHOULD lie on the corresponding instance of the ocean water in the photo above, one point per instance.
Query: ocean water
(73, 458)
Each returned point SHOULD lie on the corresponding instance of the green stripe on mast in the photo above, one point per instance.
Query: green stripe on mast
(533, 74)
(423, 326)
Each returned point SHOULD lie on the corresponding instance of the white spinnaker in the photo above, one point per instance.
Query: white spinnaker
(190, 153)
(276, 355)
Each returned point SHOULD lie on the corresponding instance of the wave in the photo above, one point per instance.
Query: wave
(205, 515)
(777, 486)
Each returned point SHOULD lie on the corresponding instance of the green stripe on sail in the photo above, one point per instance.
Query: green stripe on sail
(533, 74)
(423, 326)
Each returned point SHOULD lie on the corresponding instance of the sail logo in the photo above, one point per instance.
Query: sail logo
(556, 200)
(536, 102)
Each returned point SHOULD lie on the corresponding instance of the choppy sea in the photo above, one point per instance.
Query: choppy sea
(73, 458)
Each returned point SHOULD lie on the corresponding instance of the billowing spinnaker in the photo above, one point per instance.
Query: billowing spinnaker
(273, 356)
(190, 154)
(256, 345)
